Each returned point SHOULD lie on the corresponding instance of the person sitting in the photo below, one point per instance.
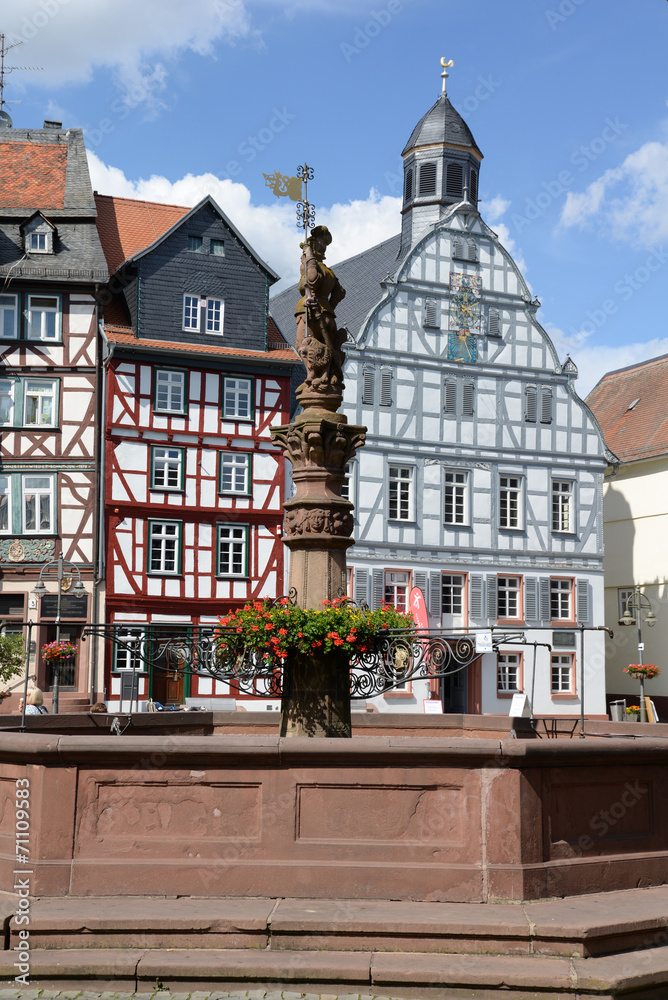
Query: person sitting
(36, 704)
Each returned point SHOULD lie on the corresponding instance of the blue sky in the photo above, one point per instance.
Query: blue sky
(568, 100)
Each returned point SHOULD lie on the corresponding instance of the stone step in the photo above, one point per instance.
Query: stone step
(639, 975)
(584, 926)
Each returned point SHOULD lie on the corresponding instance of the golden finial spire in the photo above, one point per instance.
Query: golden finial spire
(445, 74)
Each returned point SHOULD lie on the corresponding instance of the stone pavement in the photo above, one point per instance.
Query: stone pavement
(162, 994)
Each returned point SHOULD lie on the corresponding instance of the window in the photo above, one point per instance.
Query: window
(38, 242)
(561, 600)
(508, 673)
(428, 178)
(5, 504)
(546, 405)
(386, 387)
(43, 317)
(454, 179)
(562, 673)
(473, 193)
(37, 504)
(401, 493)
(455, 497)
(510, 499)
(623, 595)
(39, 403)
(166, 468)
(6, 402)
(235, 473)
(408, 187)
(214, 315)
(452, 594)
(217, 248)
(432, 313)
(368, 378)
(164, 547)
(232, 550)
(170, 391)
(457, 248)
(508, 597)
(472, 250)
(562, 505)
(8, 316)
(195, 244)
(396, 589)
(530, 404)
(129, 656)
(191, 312)
(238, 398)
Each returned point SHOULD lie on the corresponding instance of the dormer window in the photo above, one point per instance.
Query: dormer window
(428, 178)
(38, 234)
(38, 243)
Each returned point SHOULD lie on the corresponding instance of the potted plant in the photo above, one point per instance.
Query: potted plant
(632, 713)
(642, 672)
(59, 650)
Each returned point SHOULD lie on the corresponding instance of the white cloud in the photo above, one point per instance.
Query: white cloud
(270, 229)
(627, 203)
(69, 39)
(593, 362)
(492, 211)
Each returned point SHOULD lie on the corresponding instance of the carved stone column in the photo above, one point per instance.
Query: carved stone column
(318, 520)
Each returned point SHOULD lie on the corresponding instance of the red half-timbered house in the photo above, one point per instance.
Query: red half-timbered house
(51, 265)
(195, 375)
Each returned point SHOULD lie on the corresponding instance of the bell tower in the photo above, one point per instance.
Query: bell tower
(441, 168)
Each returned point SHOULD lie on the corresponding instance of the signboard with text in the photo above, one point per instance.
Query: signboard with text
(70, 606)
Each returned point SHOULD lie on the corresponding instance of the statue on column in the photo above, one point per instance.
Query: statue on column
(319, 341)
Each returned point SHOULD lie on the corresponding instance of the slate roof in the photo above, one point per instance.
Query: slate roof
(631, 406)
(46, 170)
(442, 123)
(128, 225)
(124, 336)
(360, 275)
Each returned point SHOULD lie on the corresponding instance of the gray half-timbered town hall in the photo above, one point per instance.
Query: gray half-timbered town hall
(481, 479)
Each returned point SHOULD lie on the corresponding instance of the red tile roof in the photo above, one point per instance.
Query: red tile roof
(127, 225)
(124, 335)
(32, 175)
(631, 405)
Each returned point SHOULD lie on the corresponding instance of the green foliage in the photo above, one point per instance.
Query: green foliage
(12, 655)
(273, 630)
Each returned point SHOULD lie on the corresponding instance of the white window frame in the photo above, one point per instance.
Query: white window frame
(132, 657)
(46, 390)
(7, 306)
(7, 391)
(561, 598)
(508, 594)
(234, 391)
(562, 505)
(39, 492)
(164, 548)
(6, 491)
(165, 461)
(232, 550)
(170, 383)
(562, 670)
(397, 588)
(401, 493)
(453, 592)
(37, 237)
(235, 467)
(510, 502)
(507, 665)
(215, 316)
(623, 594)
(191, 312)
(43, 311)
(455, 497)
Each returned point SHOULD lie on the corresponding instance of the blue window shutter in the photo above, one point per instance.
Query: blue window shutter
(361, 590)
(492, 610)
(378, 591)
(476, 596)
(531, 598)
(434, 594)
(582, 601)
(530, 404)
(545, 611)
(420, 581)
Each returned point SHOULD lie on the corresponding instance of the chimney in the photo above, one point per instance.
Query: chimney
(48, 123)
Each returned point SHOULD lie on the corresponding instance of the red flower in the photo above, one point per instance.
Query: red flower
(333, 635)
(269, 625)
(338, 642)
(282, 631)
(255, 628)
(314, 645)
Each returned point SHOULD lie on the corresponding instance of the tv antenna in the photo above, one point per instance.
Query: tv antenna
(5, 120)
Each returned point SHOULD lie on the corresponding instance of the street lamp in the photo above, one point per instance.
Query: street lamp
(40, 590)
(638, 603)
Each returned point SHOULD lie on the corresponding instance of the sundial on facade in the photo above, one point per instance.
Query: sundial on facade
(465, 291)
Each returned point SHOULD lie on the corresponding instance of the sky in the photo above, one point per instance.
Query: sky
(567, 99)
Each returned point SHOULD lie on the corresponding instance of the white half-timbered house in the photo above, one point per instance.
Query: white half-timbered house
(481, 479)
(51, 263)
(196, 374)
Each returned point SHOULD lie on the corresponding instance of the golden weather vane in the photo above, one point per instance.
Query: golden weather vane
(445, 74)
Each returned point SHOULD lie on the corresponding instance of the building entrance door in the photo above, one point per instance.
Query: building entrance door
(454, 692)
(169, 684)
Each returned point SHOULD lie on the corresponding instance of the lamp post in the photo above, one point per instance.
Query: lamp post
(40, 590)
(638, 603)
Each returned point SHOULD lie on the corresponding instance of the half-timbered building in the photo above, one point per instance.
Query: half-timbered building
(480, 481)
(51, 263)
(195, 375)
